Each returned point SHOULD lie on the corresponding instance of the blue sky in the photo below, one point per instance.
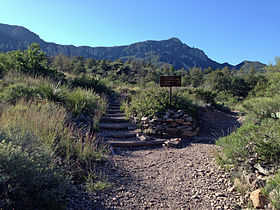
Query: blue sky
(226, 30)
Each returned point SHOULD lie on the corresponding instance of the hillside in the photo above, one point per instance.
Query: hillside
(171, 51)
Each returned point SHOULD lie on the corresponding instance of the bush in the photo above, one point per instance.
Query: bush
(263, 107)
(17, 91)
(29, 178)
(56, 93)
(261, 140)
(226, 99)
(79, 100)
(272, 190)
(2, 70)
(234, 145)
(89, 82)
(207, 96)
(155, 102)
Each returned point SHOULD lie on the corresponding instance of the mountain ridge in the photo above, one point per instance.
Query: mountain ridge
(171, 51)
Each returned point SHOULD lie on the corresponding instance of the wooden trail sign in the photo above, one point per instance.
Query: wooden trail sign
(170, 81)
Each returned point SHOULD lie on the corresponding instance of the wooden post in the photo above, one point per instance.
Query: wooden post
(170, 97)
(170, 81)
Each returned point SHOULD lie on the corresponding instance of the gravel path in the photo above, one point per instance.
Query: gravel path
(159, 178)
(170, 178)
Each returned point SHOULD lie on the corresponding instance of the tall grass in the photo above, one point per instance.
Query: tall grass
(48, 121)
(45, 119)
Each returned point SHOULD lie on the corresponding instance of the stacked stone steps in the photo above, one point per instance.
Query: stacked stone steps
(118, 131)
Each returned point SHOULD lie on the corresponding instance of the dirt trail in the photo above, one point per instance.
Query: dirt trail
(173, 178)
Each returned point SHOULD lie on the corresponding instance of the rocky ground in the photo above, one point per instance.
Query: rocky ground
(186, 177)
(168, 178)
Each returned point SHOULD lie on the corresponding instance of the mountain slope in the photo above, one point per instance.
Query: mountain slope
(171, 51)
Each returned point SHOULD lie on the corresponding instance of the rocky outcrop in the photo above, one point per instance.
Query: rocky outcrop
(172, 124)
(171, 51)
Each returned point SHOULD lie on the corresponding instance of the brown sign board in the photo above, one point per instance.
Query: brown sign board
(170, 81)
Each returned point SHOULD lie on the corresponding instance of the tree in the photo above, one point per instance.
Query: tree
(196, 77)
(78, 65)
(36, 59)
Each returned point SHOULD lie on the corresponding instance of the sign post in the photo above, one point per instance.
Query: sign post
(170, 81)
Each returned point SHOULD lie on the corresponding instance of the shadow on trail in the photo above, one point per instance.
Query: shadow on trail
(214, 123)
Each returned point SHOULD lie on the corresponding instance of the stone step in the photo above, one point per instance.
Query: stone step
(114, 126)
(135, 143)
(115, 115)
(118, 134)
(113, 106)
(113, 119)
(113, 111)
(114, 103)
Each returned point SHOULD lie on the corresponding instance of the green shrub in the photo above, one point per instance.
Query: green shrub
(155, 102)
(261, 140)
(272, 190)
(2, 70)
(56, 93)
(263, 107)
(226, 99)
(206, 96)
(234, 145)
(80, 100)
(17, 91)
(89, 82)
(29, 178)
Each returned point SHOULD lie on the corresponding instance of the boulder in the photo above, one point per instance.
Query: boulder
(258, 199)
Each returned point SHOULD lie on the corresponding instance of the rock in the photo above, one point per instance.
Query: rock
(172, 142)
(188, 118)
(172, 130)
(182, 127)
(180, 121)
(169, 120)
(173, 124)
(180, 112)
(148, 131)
(188, 134)
(175, 116)
(144, 138)
(258, 199)
(261, 169)
(153, 121)
(258, 183)
(144, 118)
(159, 127)
(159, 119)
(187, 123)
(166, 116)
